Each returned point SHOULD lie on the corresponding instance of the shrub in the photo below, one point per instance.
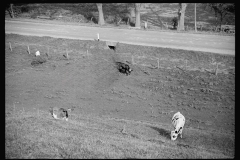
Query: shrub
(175, 22)
(24, 9)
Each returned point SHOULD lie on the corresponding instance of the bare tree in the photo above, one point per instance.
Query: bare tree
(132, 14)
(195, 17)
(137, 13)
(181, 15)
(130, 7)
(100, 11)
(222, 10)
(11, 10)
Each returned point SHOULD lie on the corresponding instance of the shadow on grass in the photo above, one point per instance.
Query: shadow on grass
(162, 132)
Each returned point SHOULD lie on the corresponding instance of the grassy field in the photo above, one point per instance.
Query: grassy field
(34, 134)
(116, 116)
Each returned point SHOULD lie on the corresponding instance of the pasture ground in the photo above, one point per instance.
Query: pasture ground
(116, 116)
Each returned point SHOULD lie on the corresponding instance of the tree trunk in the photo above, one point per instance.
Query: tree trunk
(132, 14)
(137, 13)
(100, 12)
(181, 15)
(221, 19)
(195, 18)
(11, 10)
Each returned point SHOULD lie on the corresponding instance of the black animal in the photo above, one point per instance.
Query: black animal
(123, 68)
(112, 47)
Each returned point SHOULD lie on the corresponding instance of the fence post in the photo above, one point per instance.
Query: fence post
(67, 53)
(145, 25)
(23, 111)
(10, 46)
(186, 64)
(158, 62)
(29, 50)
(216, 71)
(14, 108)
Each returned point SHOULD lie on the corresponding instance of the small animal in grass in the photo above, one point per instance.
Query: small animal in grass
(37, 53)
(178, 121)
(60, 113)
(112, 47)
(123, 68)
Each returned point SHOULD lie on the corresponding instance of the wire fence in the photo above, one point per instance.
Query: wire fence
(32, 48)
(143, 60)
(39, 47)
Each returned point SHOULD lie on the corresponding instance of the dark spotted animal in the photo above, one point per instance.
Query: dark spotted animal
(123, 68)
(60, 113)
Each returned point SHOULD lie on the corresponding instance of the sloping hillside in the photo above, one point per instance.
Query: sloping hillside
(35, 134)
(116, 116)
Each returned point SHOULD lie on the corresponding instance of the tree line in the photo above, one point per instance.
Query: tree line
(221, 10)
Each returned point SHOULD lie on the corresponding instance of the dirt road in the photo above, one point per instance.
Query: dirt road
(186, 41)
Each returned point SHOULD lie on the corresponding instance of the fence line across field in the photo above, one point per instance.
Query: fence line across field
(133, 57)
(31, 44)
(47, 47)
(67, 51)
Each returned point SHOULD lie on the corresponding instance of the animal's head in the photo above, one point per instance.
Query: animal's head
(70, 109)
(128, 71)
(174, 135)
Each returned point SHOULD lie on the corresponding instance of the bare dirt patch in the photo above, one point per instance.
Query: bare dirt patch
(88, 80)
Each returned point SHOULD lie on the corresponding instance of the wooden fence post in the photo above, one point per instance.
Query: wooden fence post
(10, 46)
(67, 54)
(29, 50)
(216, 71)
(186, 64)
(14, 108)
(98, 36)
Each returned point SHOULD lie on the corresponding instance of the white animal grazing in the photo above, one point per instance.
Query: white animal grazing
(37, 53)
(178, 121)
